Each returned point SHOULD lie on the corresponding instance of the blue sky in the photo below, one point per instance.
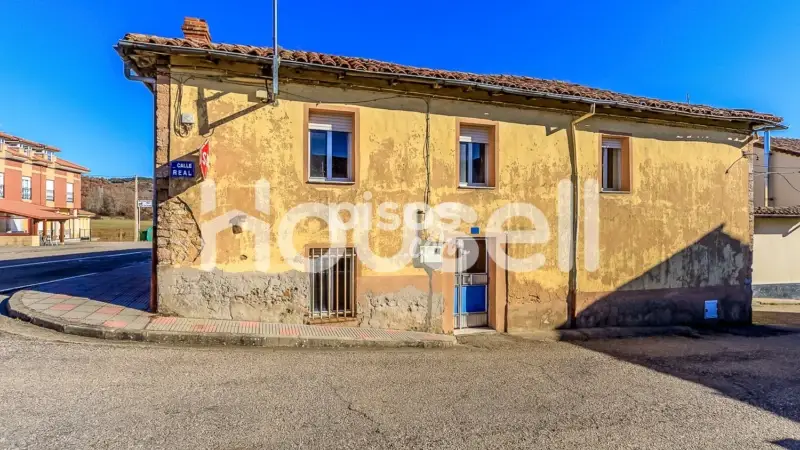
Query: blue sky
(62, 83)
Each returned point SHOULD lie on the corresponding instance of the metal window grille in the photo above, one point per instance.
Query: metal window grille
(332, 287)
(26, 193)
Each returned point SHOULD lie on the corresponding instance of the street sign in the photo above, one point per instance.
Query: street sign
(181, 169)
(204, 163)
(145, 203)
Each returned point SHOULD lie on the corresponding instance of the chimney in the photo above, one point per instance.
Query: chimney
(196, 30)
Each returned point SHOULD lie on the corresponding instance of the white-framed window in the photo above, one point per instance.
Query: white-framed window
(70, 193)
(2, 185)
(474, 156)
(26, 188)
(612, 164)
(330, 147)
(50, 190)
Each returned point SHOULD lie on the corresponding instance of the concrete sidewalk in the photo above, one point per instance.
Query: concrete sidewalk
(113, 305)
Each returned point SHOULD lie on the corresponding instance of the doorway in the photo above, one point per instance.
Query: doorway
(471, 300)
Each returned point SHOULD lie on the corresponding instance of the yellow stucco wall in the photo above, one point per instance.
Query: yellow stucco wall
(681, 198)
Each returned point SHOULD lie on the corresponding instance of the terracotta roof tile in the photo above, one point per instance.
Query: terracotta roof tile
(16, 153)
(30, 210)
(530, 85)
(71, 165)
(11, 137)
(783, 145)
(778, 211)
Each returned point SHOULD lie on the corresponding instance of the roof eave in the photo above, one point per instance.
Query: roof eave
(122, 45)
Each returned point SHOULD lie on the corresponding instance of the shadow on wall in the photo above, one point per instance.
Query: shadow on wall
(674, 292)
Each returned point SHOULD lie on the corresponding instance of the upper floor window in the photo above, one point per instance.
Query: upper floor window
(70, 195)
(2, 185)
(330, 147)
(474, 155)
(50, 190)
(615, 162)
(26, 188)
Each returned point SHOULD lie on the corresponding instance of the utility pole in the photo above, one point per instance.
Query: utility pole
(136, 207)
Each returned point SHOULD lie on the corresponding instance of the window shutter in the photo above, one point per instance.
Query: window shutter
(330, 122)
(479, 135)
(612, 143)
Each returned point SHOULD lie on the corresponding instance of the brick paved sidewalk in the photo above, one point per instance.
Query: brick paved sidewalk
(113, 305)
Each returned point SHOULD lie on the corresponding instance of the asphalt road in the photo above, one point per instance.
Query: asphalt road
(714, 391)
(55, 264)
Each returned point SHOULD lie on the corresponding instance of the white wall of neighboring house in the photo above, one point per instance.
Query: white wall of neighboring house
(776, 243)
(784, 185)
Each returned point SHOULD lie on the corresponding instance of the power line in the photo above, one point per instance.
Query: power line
(788, 182)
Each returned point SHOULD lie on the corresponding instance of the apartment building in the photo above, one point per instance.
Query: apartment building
(776, 264)
(376, 194)
(40, 194)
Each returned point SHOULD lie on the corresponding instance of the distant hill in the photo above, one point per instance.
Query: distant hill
(113, 197)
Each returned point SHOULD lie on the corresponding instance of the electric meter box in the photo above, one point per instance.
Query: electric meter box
(430, 255)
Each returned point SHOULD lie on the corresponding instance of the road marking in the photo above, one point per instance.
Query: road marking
(73, 259)
(47, 282)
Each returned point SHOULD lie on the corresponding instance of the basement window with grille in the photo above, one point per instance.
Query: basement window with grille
(332, 283)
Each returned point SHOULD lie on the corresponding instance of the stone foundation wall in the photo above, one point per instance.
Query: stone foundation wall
(235, 296)
(406, 309)
(777, 290)
(188, 292)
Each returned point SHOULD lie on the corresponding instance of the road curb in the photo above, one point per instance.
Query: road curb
(585, 334)
(18, 310)
(776, 302)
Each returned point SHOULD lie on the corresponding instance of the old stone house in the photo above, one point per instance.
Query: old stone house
(531, 203)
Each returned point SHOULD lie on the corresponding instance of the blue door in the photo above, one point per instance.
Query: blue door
(472, 284)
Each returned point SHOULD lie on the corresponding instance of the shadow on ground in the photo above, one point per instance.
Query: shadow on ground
(791, 444)
(755, 364)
